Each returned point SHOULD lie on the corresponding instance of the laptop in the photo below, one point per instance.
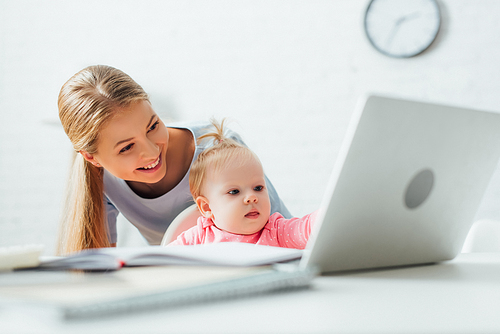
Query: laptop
(406, 185)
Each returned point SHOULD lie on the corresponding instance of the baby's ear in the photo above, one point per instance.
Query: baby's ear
(204, 207)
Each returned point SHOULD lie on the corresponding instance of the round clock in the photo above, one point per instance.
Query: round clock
(402, 28)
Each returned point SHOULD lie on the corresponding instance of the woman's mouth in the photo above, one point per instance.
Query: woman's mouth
(254, 214)
(153, 167)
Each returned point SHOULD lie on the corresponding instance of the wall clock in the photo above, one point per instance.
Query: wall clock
(402, 28)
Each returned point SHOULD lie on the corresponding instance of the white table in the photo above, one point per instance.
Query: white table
(459, 296)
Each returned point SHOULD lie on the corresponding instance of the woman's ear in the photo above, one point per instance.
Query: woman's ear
(204, 207)
(90, 158)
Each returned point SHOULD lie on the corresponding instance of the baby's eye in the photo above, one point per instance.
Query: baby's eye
(126, 148)
(258, 188)
(234, 192)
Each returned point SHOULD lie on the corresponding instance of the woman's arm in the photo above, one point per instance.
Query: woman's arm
(111, 215)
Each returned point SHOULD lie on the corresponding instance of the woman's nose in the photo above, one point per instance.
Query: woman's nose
(150, 150)
(251, 199)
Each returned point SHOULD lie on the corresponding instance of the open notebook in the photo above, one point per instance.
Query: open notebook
(233, 254)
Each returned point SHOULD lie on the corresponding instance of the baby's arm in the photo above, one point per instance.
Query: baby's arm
(294, 232)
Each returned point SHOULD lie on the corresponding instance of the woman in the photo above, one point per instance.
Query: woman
(127, 161)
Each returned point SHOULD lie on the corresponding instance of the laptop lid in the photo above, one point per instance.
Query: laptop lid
(406, 185)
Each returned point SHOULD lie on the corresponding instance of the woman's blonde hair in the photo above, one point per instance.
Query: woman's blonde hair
(216, 157)
(87, 101)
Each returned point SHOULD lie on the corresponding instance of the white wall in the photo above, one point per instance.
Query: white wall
(288, 73)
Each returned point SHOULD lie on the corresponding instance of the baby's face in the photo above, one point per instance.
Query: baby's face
(238, 197)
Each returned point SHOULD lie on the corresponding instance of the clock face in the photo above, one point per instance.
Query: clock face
(402, 28)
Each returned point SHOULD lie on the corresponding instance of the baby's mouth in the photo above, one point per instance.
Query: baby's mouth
(151, 166)
(252, 214)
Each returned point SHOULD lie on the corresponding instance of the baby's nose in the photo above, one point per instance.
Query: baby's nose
(251, 199)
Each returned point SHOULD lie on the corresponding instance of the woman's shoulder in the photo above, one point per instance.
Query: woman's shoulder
(199, 128)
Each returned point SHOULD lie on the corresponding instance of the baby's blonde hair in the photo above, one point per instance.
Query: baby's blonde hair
(216, 157)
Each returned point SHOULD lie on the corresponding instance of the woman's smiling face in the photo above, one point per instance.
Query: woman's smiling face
(133, 145)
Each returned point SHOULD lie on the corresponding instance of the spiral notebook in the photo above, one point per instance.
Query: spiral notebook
(72, 295)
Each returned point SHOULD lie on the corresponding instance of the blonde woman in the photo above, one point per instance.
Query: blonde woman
(127, 161)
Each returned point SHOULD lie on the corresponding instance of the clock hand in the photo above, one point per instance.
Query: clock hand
(393, 32)
(397, 25)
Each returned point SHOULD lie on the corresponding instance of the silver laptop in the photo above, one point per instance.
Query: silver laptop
(406, 185)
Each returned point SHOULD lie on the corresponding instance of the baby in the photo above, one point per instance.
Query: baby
(228, 185)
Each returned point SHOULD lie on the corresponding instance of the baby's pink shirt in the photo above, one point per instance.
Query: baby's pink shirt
(278, 232)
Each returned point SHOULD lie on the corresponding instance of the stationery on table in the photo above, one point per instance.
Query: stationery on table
(217, 254)
(72, 295)
(18, 257)
(154, 277)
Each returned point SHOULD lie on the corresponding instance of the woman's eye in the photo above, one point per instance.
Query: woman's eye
(234, 192)
(258, 188)
(126, 148)
(155, 124)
